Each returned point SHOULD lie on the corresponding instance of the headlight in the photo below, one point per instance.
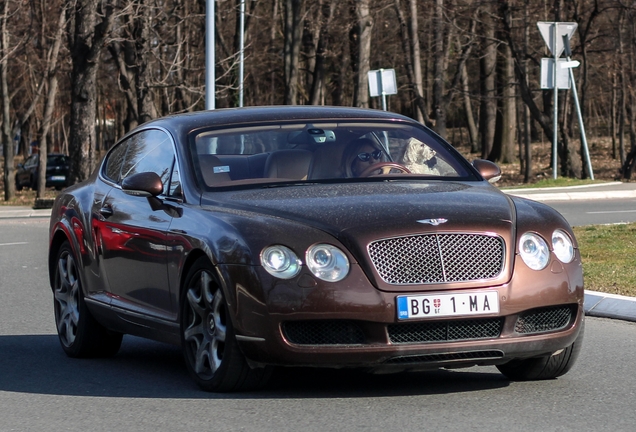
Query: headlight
(327, 262)
(280, 261)
(534, 251)
(562, 246)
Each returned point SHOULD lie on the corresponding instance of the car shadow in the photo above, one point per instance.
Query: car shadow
(147, 369)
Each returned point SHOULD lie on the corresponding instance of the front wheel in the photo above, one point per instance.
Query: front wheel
(546, 367)
(210, 349)
(18, 185)
(80, 334)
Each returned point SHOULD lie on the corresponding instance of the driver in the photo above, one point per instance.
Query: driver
(359, 155)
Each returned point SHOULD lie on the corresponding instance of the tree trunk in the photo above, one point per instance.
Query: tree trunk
(363, 27)
(503, 145)
(420, 101)
(317, 84)
(7, 141)
(488, 105)
(414, 35)
(293, 39)
(439, 74)
(86, 39)
(143, 76)
(50, 102)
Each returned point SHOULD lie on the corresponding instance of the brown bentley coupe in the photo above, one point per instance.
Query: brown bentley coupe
(311, 236)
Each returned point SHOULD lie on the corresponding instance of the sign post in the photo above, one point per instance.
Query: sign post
(552, 33)
(569, 65)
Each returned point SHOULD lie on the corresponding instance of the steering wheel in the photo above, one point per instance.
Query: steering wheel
(385, 168)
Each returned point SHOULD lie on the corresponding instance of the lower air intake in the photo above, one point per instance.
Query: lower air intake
(544, 320)
(443, 331)
(323, 332)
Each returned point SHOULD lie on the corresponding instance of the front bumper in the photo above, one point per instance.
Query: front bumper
(360, 321)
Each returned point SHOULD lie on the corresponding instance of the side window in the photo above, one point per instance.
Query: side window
(112, 169)
(149, 151)
(31, 161)
(175, 183)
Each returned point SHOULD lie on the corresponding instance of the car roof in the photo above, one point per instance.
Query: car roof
(185, 123)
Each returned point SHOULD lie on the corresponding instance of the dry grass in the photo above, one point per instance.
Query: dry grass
(608, 253)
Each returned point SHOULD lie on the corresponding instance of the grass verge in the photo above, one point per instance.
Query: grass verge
(608, 253)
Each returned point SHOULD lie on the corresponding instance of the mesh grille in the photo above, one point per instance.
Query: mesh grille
(323, 332)
(544, 320)
(437, 258)
(470, 355)
(422, 332)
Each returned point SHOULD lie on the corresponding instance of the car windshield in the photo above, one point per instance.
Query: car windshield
(55, 160)
(322, 151)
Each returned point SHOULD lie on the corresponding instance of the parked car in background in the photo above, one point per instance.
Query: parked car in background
(311, 236)
(57, 169)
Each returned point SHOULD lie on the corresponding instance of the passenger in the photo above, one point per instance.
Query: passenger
(359, 155)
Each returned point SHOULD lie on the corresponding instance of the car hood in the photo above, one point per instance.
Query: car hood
(357, 214)
(378, 209)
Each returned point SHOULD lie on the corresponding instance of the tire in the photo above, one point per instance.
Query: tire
(210, 349)
(79, 333)
(18, 186)
(546, 367)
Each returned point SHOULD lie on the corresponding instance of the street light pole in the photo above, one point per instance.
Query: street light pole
(210, 79)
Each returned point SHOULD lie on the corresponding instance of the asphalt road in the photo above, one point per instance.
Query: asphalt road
(592, 212)
(146, 388)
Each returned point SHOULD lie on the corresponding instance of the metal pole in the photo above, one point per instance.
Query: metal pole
(210, 79)
(555, 124)
(382, 89)
(575, 94)
(242, 53)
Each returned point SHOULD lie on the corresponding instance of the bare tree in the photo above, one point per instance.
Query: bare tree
(293, 38)
(361, 36)
(51, 76)
(90, 23)
(7, 141)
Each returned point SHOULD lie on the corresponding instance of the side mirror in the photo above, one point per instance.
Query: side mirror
(488, 170)
(145, 184)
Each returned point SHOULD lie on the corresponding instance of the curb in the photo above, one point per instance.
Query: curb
(23, 212)
(617, 190)
(605, 305)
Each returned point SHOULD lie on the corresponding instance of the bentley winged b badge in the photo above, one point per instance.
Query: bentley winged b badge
(434, 222)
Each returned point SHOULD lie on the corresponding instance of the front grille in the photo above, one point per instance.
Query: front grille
(444, 357)
(438, 258)
(323, 332)
(544, 320)
(443, 331)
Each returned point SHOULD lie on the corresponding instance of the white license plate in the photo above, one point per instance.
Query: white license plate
(443, 305)
(58, 178)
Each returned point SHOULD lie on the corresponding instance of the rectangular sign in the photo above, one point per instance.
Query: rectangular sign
(382, 81)
(444, 305)
(547, 74)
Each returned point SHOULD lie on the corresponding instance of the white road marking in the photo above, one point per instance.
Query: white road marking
(13, 244)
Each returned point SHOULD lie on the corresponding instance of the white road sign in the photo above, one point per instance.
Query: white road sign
(562, 28)
(382, 81)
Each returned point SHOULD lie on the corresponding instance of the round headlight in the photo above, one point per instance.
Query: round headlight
(327, 262)
(562, 246)
(280, 261)
(534, 251)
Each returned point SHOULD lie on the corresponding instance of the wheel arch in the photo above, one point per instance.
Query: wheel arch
(61, 234)
(192, 258)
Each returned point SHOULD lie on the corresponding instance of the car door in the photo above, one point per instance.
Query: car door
(133, 228)
(27, 172)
